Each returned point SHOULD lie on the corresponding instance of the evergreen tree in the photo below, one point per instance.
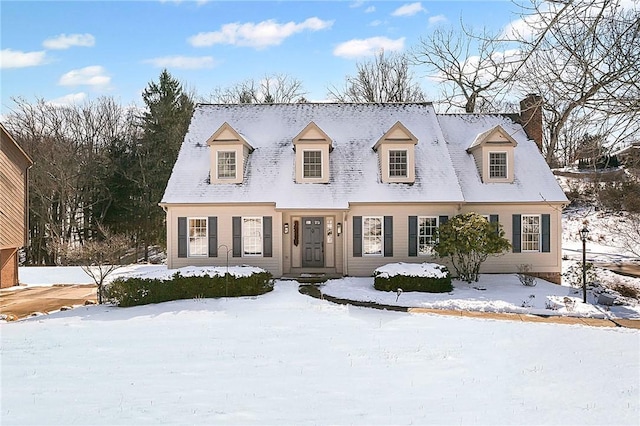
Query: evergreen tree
(164, 125)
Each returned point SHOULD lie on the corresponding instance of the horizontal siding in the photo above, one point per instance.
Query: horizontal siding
(12, 200)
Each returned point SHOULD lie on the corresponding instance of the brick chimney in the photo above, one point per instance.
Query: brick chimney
(531, 118)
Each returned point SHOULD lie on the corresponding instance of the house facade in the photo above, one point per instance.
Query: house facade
(14, 212)
(345, 188)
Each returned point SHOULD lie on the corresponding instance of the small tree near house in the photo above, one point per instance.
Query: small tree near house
(469, 239)
(98, 258)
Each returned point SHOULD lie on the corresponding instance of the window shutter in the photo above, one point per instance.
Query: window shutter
(493, 219)
(442, 220)
(357, 236)
(388, 236)
(546, 233)
(182, 237)
(213, 236)
(267, 238)
(516, 235)
(413, 236)
(236, 224)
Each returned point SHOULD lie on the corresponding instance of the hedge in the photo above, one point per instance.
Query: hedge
(126, 292)
(410, 283)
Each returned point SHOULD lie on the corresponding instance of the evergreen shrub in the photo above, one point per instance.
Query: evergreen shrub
(412, 283)
(126, 292)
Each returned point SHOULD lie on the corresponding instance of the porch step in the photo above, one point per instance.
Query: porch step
(309, 278)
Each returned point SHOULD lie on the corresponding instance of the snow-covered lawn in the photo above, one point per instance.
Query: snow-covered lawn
(286, 358)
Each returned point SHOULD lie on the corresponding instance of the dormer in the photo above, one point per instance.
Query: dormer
(493, 153)
(312, 147)
(229, 154)
(396, 152)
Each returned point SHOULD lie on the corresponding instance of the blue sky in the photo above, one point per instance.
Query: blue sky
(74, 51)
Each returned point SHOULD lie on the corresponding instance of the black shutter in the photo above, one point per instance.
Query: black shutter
(357, 236)
(267, 238)
(388, 236)
(213, 236)
(182, 237)
(442, 220)
(516, 237)
(493, 219)
(413, 236)
(546, 233)
(236, 225)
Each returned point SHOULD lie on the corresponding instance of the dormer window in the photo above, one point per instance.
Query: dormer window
(312, 147)
(398, 164)
(497, 165)
(312, 164)
(494, 156)
(226, 164)
(229, 155)
(396, 150)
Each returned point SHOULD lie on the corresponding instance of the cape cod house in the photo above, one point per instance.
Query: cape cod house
(14, 213)
(344, 188)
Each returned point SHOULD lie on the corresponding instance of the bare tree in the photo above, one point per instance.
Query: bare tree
(98, 258)
(272, 88)
(583, 59)
(386, 78)
(472, 67)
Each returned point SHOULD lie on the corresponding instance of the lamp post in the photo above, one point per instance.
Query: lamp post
(584, 234)
(226, 276)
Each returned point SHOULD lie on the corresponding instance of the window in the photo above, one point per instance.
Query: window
(497, 165)
(252, 236)
(530, 233)
(426, 234)
(312, 164)
(198, 237)
(398, 163)
(372, 235)
(226, 165)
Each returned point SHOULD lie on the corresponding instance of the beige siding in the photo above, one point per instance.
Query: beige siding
(224, 215)
(13, 190)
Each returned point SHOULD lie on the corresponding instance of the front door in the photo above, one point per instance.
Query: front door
(312, 242)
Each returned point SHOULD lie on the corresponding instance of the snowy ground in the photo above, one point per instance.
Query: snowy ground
(286, 358)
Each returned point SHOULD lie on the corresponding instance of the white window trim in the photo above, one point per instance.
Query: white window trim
(506, 165)
(522, 233)
(364, 253)
(321, 165)
(244, 254)
(437, 226)
(406, 153)
(206, 236)
(218, 164)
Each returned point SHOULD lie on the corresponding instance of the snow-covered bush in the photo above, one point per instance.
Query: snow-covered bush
(135, 291)
(425, 277)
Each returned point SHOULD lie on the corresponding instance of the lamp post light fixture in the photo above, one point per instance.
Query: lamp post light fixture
(584, 234)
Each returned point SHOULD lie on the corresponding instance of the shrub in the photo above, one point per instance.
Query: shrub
(141, 291)
(426, 277)
(525, 277)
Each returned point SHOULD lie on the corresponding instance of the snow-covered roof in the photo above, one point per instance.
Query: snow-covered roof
(444, 171)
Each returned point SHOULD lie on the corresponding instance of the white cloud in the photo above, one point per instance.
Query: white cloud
(70, 99)
(183, 62)
(375, 23)
(437, 19)
(366, 47)
(260, 35)
(89, 76)
(64, 41)
(370, 9)
(356, 3)
(17, 59)
(409, 9)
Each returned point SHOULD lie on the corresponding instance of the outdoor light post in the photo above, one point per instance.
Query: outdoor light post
(584, 234)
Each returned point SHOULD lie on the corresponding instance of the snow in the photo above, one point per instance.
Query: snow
(429, 270)
(445, 171)
(286, 358)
